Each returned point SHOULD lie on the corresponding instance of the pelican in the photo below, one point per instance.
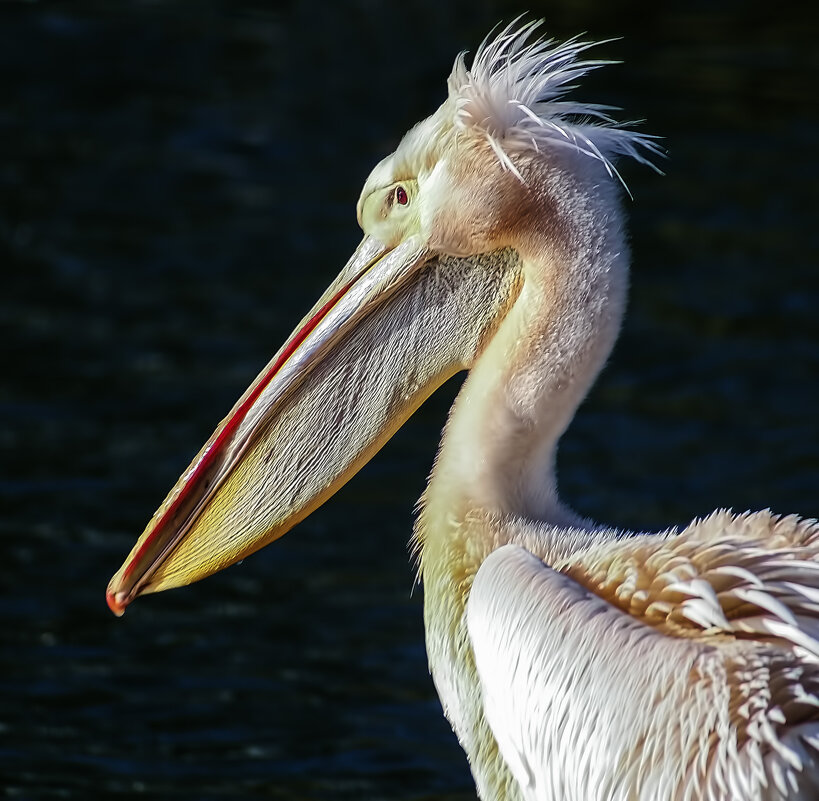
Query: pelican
(573, 661)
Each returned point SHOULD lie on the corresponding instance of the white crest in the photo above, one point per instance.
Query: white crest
(513, 96)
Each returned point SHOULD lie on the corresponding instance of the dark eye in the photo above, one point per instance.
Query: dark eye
(401, 196)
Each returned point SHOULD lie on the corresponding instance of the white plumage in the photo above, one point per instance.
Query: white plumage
(513, 94)
(638, 660)
(574, 662)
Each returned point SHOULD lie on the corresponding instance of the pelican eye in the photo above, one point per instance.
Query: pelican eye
(401, 197)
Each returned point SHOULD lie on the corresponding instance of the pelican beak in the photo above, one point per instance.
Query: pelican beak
(394, 325)
(283, 449)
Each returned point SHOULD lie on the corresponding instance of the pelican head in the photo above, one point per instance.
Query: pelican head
(470, 197)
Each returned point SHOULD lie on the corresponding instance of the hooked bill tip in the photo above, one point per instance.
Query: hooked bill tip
(117, 601)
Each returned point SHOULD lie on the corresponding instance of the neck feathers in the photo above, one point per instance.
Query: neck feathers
(498, 452)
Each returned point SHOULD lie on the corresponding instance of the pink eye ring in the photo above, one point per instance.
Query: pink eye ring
(401, 196)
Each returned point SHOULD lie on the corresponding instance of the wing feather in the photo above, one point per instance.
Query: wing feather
(588, 700)
(751, 575)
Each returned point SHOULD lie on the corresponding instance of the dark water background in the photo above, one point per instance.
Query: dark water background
(177, 184)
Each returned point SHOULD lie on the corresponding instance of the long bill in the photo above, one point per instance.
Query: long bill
(385, 334)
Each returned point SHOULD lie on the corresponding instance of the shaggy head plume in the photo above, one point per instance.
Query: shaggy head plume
(513, 96)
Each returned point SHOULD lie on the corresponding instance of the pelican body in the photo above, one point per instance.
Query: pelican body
(573, 662)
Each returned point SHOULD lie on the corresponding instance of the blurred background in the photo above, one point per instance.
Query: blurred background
(177, 185)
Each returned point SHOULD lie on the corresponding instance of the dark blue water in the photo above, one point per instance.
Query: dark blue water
(177, 184)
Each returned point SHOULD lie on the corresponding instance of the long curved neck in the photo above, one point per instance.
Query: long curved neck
(496, 466)
(499, 447)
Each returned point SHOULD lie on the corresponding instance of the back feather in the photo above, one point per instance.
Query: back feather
(749, 576)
